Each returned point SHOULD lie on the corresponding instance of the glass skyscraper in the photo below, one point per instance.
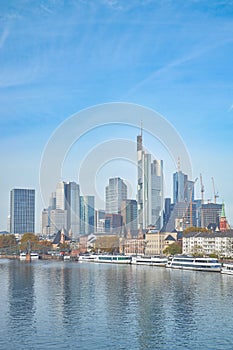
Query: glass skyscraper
(129, 215)
(72, 205)
(87, 214)
(64, 210)
(22, 210)
(115, 193)
(150, 189)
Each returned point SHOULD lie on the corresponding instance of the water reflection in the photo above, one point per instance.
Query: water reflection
(21, 310)
(52, 305)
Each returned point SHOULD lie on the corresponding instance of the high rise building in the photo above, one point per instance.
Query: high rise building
(115, 193)
(129, 215)
(52, 201)
(60, 195)
(113, 223)
(72, 206)
(210, 215)
(183, 214)
(167, 210)
(100, 221)
(58, 220)
(22, 210)
(179, 187)
(87, 215)
(150, 189)
(64, 209)
(45, 218)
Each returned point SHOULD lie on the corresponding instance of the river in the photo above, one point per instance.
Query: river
(88, 306)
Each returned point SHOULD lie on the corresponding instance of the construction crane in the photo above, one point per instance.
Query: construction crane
(215, 194)
(202, 190)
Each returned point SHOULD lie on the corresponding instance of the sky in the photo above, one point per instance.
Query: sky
(58, 58)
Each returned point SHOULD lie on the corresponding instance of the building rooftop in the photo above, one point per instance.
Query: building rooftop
(228, 233)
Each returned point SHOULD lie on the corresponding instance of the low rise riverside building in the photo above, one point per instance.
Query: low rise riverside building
(156, 242)
(220, 243)
(130, 245)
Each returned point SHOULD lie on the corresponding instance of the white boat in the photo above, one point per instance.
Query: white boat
(156, 260)
(189, 262)
(66, 257)
(116, 259)
(227, 268)
(87, 258)
(33, 256)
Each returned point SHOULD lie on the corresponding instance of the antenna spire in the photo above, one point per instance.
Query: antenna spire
(178, 163)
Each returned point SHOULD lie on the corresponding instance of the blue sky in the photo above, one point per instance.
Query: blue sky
(59, 57)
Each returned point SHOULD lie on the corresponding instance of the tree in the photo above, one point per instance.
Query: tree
(64, 246)
(8, 242)
(108, 244)
(29, 238)
(173, 249)
(195, 229)
(198, 250)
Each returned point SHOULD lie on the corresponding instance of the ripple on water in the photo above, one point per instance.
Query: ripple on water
(52, 305)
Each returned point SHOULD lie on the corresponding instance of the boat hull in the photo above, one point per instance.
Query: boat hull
(184, 262)
(86, 258)
(227, 269)
(150, 261)
(33, 256)
(113, 259)
(196, 268)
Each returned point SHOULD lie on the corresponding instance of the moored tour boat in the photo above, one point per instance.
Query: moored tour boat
(189, 262)
(156, 260)
(116, 259)
(87, 258)
(227, 268)
(33, 256)
(66, 257)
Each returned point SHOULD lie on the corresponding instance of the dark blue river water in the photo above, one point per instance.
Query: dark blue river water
(71, 305)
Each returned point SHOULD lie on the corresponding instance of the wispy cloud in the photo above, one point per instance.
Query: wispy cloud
(46, 9)
(196, 53)
(4, 36)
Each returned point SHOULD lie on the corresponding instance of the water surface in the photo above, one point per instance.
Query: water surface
(57, 305)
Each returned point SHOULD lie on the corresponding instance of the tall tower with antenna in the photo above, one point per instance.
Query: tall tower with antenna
(149, 188)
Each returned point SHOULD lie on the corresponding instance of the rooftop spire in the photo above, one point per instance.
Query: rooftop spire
(178, 164)
(223, 215)
(139, 139)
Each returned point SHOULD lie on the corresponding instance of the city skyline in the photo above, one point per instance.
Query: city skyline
(171, 57)
(78, 214)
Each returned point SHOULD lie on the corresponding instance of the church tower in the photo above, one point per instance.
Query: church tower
(223, 225)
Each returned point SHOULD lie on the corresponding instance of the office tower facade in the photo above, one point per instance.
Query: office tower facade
(184, 213)
(22, 210)
(129, 215)
(87, 215)
(52, 201)
(58, 220)
(72, 206)
(45, 227)
(179, 187)
(210, 215)
(64, 210)
(60, 195)
(113, 223)
(150, 189)
(115, 193)
(167, 210)
(100, 221)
